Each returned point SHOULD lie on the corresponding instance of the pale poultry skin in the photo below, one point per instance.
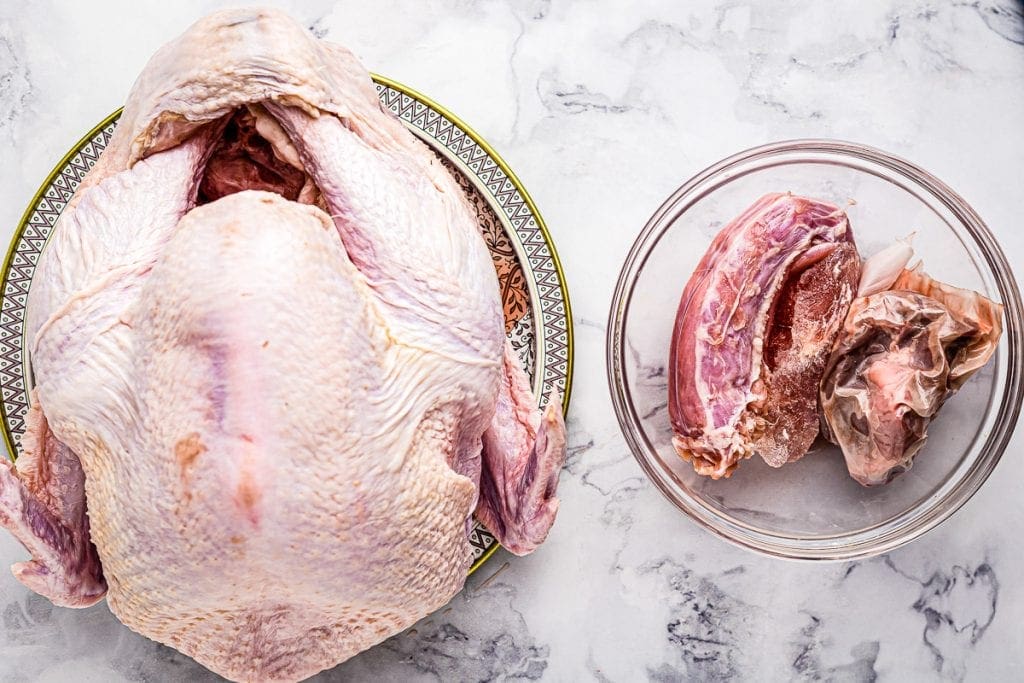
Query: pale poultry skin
(286, 409)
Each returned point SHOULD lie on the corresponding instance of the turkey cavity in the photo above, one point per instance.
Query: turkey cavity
(254, 153)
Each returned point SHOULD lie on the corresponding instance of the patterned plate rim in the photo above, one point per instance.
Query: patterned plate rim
(496, 158)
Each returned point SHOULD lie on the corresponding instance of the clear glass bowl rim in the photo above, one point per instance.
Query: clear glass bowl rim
(863, 543)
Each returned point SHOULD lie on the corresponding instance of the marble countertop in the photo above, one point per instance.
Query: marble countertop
(603, 108)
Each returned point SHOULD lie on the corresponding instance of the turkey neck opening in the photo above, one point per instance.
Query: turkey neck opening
(253, 152)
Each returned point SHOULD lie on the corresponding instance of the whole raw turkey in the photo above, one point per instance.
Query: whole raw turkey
(272, 384)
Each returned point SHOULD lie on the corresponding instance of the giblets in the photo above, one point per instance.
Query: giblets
(270, 359)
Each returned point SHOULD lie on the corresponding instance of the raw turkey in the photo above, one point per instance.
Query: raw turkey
(272, 384)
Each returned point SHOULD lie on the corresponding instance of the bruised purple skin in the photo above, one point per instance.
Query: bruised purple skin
(717, 346)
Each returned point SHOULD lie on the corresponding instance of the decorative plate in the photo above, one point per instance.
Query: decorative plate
(538, 318)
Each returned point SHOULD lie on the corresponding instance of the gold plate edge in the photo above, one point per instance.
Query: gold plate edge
(57, 170)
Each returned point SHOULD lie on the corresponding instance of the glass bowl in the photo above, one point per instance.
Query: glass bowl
(812, 509)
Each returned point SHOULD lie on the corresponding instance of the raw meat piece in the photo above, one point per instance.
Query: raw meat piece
(718, 394)
(807, 317)
(902, 353)
(283, 416)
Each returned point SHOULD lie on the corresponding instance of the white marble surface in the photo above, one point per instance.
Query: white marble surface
(603, 108)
